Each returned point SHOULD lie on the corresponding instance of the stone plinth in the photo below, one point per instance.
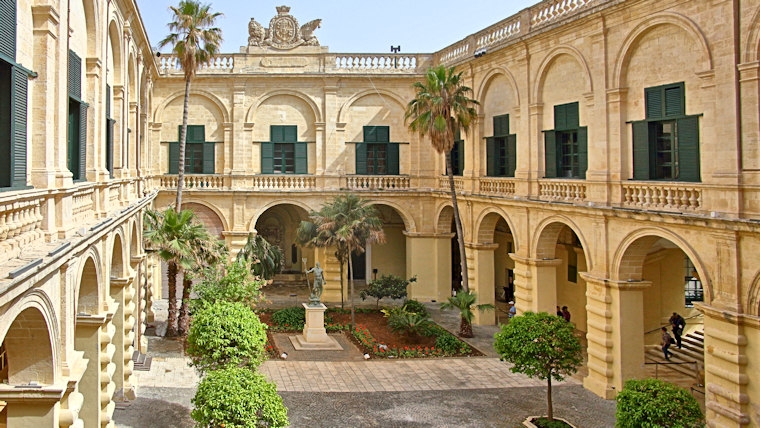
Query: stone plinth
(314, 335)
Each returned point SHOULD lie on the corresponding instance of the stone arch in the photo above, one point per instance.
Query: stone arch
(486, 224)
(629, 257)
(119, 265)
(409, 224)
(547, 235)
(132, 77)
(753, 298)
(263, 209)
(346, 107)
(444, 218)
(114, 40)
(90, 14)
(488, 79)
(751, 45)
(550, 58)
(135, 238)
(88, 299)
(30, 333)
(209, 96)
(209, 215)
(316, 113)
(667, 18)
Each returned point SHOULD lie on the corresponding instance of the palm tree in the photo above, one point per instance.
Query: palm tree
(309, 236)
(264, 258)
(464, 301)
(195, 41)
(165, 232)
(349, 223)
(441, 108)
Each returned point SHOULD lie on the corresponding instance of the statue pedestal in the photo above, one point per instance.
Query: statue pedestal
(314, 334)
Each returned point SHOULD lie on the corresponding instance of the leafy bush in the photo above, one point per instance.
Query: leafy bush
(226, 333)
(237, 397)
(391, 286)
(411, 305)
(231, 282)
(400, 320)
(650, 403)
(290, 318)
(450, 345)
(542, 346)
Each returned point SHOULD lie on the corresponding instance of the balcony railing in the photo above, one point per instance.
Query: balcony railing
(662, 196)
(499, 186)
(562, 190)
(376, 182)
(443, 183)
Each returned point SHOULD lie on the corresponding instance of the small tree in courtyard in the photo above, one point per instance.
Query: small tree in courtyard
(541, 346)
(391, 286)
(650, 403)
(464, 301)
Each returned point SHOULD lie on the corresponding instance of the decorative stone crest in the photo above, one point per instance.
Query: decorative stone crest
(283, 32)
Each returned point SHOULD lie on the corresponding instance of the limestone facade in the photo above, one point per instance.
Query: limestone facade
(614, 169)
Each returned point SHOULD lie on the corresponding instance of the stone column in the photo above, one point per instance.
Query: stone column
(483, 280)
(535, 284)
(124, 336)
(88, 341)
(119, 132)
(32, 407)
(535, 168)
(429, 257)
(729, 391)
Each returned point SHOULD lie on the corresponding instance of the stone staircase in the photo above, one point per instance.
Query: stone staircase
(686, 365)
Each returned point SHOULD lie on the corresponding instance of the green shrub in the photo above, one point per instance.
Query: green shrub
(391, 286)
(232, 282)
(237, 397)
(290, 318)
(411, 305)
(226, 333)
(399, 320)
(651, 403)
(450, 345)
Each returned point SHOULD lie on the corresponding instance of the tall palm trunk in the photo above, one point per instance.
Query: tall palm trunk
(342, 292)
(182, 141)
(171, 321)
(351, 284)
(458, 223)
(184, 310)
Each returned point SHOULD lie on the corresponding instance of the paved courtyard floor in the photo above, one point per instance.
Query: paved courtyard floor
(341, 389)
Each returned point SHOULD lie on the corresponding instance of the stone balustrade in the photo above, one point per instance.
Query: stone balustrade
(498, 186)
(443, 183)
(550, 11)
(223, 64)
(562, 190)
(20, 219)
(376, 62)
(377, 182)
(83, 204)
(662, 196)
(284, 182)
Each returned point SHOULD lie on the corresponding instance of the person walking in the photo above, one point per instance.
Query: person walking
(512, 309)
(666, 341)
(678, 324)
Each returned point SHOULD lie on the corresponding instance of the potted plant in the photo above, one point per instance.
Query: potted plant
(542, 346)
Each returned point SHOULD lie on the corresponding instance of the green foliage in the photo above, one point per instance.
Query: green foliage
(292, 318)
(464, 301)
(390, 286)
(411, 305)
(265, 259)
(226, 333)
(546, 423)
(412, 323)
(235, 397)
(651, 403)
(540, 345)
(450, 344)
(231, 282)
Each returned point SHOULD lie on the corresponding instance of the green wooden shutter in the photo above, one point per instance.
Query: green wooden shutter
(108, 102)
(674, 100)
(301, 158)
(267, 158)
(560, 119)
(208, 157)
(550, 154)
(511, 155)
(370, 135)
(195, 133)
(174, 157)
(82, 141)
(653, 100)
(566, 116)
(688, 149)
(290, 134)
(392, 159)
(491, 155)
(361, 158)
(276, 134)
(8, 29)
(383, 134)
(18, 126)
(501, 125)
(641, 149)
(582, 151)
(459, 148)
(75, 75)
(109, 146)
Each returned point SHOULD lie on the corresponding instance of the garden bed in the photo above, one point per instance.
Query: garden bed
(373, 335)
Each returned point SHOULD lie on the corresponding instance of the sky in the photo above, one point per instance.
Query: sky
(351, 26)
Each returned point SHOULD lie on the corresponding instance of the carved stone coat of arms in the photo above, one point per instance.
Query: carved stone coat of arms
(283, 32)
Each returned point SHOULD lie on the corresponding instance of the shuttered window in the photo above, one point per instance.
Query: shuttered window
(77, 126)
(457, 155)
(377, 155)
(110, 122)
(283, 153)
(8, 30)
(566, 146)
(501, 159)
(666, 143)
(199, 153)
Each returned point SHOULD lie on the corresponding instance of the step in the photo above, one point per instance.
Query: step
(654, 354)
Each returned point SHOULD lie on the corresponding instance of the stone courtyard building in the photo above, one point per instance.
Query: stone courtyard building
(614, 169)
